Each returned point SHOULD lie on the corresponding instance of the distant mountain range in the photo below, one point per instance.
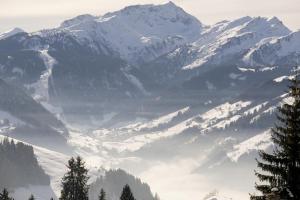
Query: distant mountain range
(150, 77)
(144, 61)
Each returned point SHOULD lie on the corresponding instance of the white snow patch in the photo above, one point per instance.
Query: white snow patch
(135, 81)
(223, 124)
(246, 69)
(41, 87)
(259, 142)
(257, 108)
(282, 78)
(225, 110)
(267, 69)
(163, 120)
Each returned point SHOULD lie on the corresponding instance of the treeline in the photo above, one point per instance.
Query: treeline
(75, 187)
(114, 180)
(19, 166)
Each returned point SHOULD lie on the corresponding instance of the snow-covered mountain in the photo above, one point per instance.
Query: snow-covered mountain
(277, 51)
(95, 54)
(149, 88)
(138, 33)
(132, 53)
(226, 39)
(11, 32)
(224, 43)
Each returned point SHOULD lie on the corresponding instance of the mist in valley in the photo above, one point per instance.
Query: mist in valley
(147, 96)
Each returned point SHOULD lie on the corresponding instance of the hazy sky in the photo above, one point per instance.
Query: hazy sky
(37, 14)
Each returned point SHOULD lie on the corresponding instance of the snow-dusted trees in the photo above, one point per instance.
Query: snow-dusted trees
(4, 195)
(74, 182)
(281, 169)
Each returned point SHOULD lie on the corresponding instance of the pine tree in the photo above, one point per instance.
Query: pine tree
(102, 195)
(31, 197)
(281, 169)
(5, 195)
(126, 193)
(74, 182)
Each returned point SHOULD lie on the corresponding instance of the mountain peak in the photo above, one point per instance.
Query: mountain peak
(171, 4)
(138, 30)
(267, 26)
(169, 8)
(78, 19)
(275, 19)
(10, 32)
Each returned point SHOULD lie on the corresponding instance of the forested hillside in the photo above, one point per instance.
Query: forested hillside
(19, 166)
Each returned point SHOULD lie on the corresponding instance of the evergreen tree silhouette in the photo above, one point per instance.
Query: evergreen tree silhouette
(102, 195)
(281, 169)
(74, 182)
(127, 194)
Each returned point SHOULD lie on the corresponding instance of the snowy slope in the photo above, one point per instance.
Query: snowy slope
(222, 44)
(229, 38)
(9, 33)
(53, 164)
(261, 141)
(278, 51)
(156, 122)
(137, 33)
(42, 85)
(217, 118)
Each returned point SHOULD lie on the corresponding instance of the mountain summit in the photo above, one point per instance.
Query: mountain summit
(11, 32)
(138, 33)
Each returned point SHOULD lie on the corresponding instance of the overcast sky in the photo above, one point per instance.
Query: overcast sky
(33, 15)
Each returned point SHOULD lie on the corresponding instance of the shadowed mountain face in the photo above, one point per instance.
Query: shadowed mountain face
(22, 117)
(19, 104)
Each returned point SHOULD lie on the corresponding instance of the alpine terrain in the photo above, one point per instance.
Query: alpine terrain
(149, 89)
